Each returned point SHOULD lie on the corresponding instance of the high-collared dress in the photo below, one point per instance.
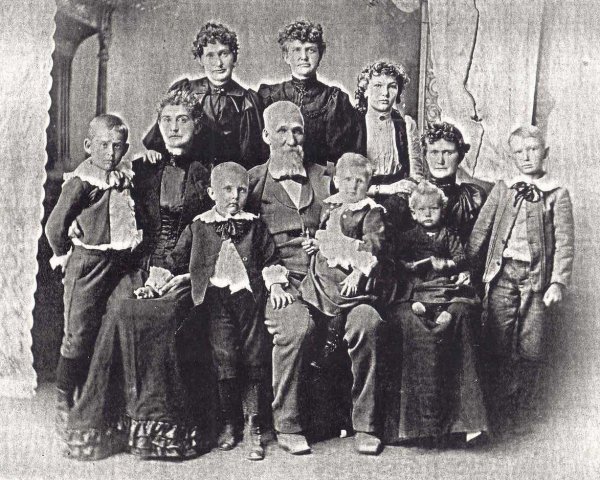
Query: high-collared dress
(135, 396)
(230, 125)
(440, 391)
(330, 122)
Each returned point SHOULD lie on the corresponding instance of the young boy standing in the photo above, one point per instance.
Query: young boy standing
(96, 195)
(526, 227)
(231, 256)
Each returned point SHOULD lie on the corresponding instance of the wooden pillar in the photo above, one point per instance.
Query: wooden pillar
(104, 38)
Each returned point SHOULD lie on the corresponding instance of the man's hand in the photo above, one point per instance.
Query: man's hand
(279, 297)
(75, 230)
(438, 264)
(310, 246)
(176, 281)
(410, 266)
(151, 156)
(350, 284)
(553, 295)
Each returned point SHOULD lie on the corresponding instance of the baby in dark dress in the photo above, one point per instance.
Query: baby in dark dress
(434, 261)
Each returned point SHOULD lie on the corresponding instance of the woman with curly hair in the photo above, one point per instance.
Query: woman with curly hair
(330, 122)
(441, 396)
(384, 130)
(230, 125)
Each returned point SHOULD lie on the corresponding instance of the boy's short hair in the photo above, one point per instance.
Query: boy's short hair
(221, 168)
(185, 97)
(381, 67)
(110, 122)
(444, 131)
(527, 131)
(304, 31)
(354, 162)
(215, 32)
(427, 189)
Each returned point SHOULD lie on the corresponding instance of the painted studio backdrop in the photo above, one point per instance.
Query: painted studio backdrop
(486, 65)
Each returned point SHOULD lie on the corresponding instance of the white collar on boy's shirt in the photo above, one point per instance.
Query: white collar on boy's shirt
(545, 183)
(213, 216)
(88, 172)
(338, 199)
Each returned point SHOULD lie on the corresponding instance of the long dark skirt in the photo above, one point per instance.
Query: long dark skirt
(440, 389)
(137, 396)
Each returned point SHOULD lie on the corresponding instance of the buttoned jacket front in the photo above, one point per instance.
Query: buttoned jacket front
(199, 246)
(549, 233)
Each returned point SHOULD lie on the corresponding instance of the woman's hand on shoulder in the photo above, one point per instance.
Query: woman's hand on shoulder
(402, 186)
(151, 156)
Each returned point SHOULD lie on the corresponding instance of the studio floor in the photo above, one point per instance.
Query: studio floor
(565, 446)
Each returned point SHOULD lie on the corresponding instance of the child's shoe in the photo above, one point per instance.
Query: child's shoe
(255, 447)
(227, 439)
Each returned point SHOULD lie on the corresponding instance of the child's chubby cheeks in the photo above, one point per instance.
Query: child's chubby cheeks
(106, 148)
(229, 191)
(427, 211)
(352, 183)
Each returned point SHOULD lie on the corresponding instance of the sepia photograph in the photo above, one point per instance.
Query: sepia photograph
(299, 239)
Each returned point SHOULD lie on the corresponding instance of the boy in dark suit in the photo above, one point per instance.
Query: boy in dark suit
(231, 257)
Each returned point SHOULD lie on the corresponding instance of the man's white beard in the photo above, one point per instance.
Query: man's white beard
(289, 162)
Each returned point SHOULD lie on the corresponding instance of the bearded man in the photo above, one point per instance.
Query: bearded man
(289, 193)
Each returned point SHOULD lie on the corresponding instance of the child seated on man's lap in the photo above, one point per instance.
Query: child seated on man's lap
(231, 256)
(346, 270)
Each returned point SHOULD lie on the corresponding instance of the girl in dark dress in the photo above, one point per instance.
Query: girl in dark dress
(135, 397)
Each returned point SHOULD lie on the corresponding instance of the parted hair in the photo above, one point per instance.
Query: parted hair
(110, 122)
(527, 131)
(304, 31)
(381, 67)
(444, 131)
(426, 189)
(185, 97)
(215, 32)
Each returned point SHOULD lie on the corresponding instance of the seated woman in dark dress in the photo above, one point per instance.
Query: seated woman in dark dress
(230, 126)
(441, 393)
(135, 392)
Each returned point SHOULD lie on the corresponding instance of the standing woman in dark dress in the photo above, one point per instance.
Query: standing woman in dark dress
(441, 390)
(330, 122)
(135, 396)
(230, 124)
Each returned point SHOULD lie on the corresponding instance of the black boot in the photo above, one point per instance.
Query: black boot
(333, 342)
(252, 404)
(229, 403)
(67, 373)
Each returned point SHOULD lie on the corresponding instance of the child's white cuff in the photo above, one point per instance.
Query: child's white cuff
(158, 278)
(60, 261)
(275, 274)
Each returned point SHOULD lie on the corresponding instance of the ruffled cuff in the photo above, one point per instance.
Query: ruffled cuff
(275, 274)
(158, 278)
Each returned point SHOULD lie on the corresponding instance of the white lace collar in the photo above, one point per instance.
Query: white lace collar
(88, 172)
(545, 183)
(213, 216)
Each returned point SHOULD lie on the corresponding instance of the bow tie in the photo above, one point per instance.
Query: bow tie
(526, 191)
(295, 178)
(233, 229)
(117, 180)
(217, 90)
